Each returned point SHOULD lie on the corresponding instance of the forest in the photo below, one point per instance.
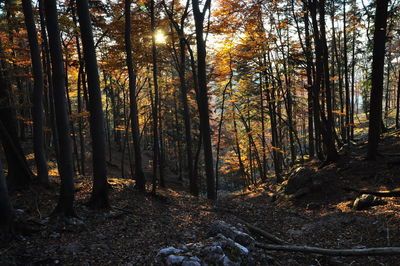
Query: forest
(199, 132)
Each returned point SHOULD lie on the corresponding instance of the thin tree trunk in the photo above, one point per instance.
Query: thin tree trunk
(50, 87)
(81, 83)
(220, 125)
(398, 102)
(139, 175)
(156, 144)
(311, 147)
(346, 75)
(353, 65)
(238, 152)
(37, 110)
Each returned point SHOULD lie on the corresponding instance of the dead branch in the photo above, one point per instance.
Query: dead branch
(251, 227)
(333, 252)
(263, 233)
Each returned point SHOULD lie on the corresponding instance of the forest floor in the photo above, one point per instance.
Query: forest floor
(138, 225)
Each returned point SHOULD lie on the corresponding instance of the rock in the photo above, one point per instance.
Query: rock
(183, 248)
(73, 248)
(228, 262)
(235, 251)
(226, 245)
(300, 178)
(174, 260)
(295, 233)
(163, 255)
(192, 261)
(99, 247)
(213, 254)
(269, 259)
(301, 192)
(344, 150)
(244, 239)
(221, 227)
(19, 211)
(74, 221)
(365, 201)
(101, 236)
(54, 235)
(168, 251)
(335, 261)
(318, 182)
(382, 229)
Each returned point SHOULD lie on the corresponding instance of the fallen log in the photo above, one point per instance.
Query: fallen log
(390, 193)
(333, 252)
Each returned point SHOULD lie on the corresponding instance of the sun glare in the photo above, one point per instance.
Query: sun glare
(160, 37)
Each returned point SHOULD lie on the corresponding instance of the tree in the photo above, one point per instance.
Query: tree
(203, 97)
(378, 60)
(181, 68)
(37, 110)
(6, 210)
(65, 163)
(324, 125)
(99, 197)
(155, 108)
(19, 175)
(139, 175)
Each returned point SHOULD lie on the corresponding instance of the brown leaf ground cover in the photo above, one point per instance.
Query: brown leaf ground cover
(138, 225)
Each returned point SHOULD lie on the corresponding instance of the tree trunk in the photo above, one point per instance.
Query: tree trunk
(156, 144)
(66, 199)
(37, 110)
(378, 60)
(346, 76)
(398, 102)
(80, 84)
(19, 175)
(139, 175)
(308, 54)
(186, 116)
(203, 96)
(6, 209)
(49, 79)
(324, 125)
(99, 198)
